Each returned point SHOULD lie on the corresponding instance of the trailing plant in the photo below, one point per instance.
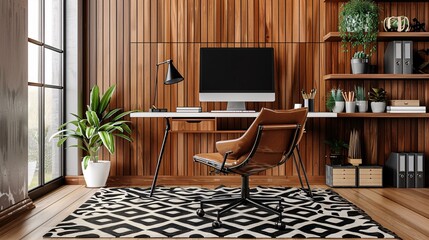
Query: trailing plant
(97, 127)
(360, 93)
(358, 25)
(377, 95)
(336, 145)
(360, 55)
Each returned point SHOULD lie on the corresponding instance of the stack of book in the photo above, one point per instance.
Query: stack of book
(188, 109)
(405, 106)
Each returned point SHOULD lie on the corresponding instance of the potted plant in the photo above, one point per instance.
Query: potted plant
(358, 25)
(336, 147)
(377, 96)
(335, 101)
(361, 102)
(95, 129)
(360, 62)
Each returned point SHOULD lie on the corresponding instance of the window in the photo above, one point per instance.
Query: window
(45, 91)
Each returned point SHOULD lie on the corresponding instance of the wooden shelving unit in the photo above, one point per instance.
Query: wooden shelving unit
(383, 115)
(384, 36)
(375, 1)
(376, 77)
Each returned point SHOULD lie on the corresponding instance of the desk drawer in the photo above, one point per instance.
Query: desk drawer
(193, 124)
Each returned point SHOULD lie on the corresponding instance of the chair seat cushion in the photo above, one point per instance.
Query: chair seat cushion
(214, 160)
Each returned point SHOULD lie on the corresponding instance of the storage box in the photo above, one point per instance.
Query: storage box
(370, 176)
(341, 176)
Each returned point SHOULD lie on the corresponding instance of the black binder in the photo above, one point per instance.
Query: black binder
(411, 182)
(420, 170)
(395, 170)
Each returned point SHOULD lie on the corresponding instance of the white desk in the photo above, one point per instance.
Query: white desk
(219, 115)
(168, 115)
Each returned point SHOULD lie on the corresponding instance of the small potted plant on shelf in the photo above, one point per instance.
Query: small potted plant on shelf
(360, 62)
(335, 101)
(358, 25)
(336, 147)
(377, 96)
(95, 129)
(361, 102)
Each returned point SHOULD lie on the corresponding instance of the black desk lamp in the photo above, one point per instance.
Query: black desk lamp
(173, 76)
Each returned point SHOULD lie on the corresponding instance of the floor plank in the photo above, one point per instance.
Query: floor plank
(404, 211)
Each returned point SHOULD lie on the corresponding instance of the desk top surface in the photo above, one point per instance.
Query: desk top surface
(219, 114)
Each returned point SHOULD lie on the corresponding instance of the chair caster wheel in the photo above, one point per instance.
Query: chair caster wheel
(200, 212)
(279, 208)
(216, 224)
(280, 225)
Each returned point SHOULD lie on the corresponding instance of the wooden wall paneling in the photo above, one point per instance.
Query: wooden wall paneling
(133, 20)
(127, 147)
(144, 9)
(119, 79)
(133, 105)
(114, 165)
(141, 82)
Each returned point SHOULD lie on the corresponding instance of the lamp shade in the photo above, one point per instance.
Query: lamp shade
(173, 76)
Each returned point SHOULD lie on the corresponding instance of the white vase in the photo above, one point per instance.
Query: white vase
(350, 107)
(96, 173)
(339, 107)
(362, 106)
(378, 107)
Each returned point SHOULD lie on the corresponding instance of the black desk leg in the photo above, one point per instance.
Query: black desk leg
(161, 152)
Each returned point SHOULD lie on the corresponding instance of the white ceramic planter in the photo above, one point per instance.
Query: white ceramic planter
(378, 107)
(362, 106)
(339, 107)
(359, 66)
(96, 174)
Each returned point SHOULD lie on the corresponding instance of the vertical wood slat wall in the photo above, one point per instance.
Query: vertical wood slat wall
(124, 39)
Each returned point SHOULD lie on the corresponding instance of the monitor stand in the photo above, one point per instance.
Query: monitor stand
(236, 106)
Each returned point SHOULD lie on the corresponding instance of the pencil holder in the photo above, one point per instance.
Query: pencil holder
(350, 107)
(309, 103)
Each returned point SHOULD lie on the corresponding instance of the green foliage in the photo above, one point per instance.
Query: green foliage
(360, 55)
(377, 95)
(98, 127)
(330, 103)
(336, 145)
(358, 24)
(336, 93)
(360, 93)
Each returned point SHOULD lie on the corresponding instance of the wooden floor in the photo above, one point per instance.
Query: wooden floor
(404, 211)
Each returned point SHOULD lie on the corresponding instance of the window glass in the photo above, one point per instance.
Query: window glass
(53, 68)
(53, 102)
(34, 62)
(53, 23)
(33, 137)
(34, 19)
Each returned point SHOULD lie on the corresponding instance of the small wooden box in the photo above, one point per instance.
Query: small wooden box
(414, 103)
(341, 176)
(370, 176)
(193, 125)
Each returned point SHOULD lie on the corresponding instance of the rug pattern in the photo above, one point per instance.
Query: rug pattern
(128, 212)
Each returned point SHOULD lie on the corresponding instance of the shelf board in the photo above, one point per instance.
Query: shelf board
(383, 115)
(376, 77)
(377, 0)
(207, 131)
(383, 36)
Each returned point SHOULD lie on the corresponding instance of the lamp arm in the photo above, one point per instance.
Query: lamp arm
(164, 62)
(156, 86)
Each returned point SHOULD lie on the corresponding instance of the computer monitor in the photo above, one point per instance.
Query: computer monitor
(237, 75)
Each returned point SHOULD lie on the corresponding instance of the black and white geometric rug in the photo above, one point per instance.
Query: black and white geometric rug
(127, 212)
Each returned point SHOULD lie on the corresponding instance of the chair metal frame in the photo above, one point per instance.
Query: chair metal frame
(245, 189)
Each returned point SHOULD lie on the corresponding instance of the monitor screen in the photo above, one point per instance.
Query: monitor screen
(237, 70)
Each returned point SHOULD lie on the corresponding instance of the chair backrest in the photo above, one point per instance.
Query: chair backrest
(270, 140)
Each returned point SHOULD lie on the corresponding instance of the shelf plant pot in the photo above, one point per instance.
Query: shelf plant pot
(362, 106)
(359, 65)
(96, 173)
(378, 107)
(350, 107)
(339, 107)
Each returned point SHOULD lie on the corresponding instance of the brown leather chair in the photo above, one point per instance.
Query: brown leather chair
(270, 141)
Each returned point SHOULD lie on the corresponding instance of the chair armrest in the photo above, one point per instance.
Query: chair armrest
(234, 146)
(225, 157)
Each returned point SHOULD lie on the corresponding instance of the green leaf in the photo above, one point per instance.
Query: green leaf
(108, 141)
(85, 161)
(76, 116)
(126, 128)
(111, 113)
(57, 134)
(94, 98)
(78, 146)
(90, 132)
(74, 122)
(124, 136)
(61, 141)
(122, 115)
(105, 100)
